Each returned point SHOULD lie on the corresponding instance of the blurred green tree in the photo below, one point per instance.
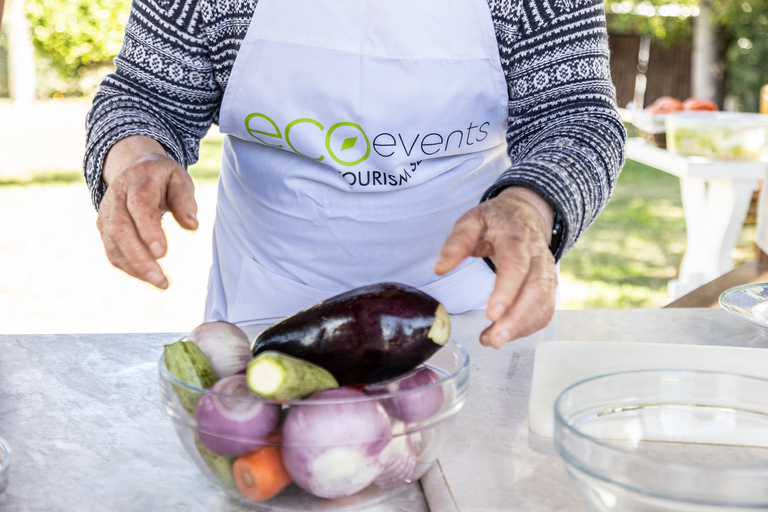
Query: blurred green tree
(76, 37)
(742, 33)
(746, 49)
(667, 22)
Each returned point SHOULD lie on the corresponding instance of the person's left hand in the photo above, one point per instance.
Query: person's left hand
(513, 230)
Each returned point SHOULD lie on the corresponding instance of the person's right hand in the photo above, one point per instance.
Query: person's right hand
(142, 183)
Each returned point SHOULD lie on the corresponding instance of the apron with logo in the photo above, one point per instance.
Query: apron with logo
(357, 133)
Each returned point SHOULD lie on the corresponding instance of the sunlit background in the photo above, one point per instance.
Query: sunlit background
(54, 277)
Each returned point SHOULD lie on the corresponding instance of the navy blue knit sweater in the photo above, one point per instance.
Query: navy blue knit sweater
(565, 137)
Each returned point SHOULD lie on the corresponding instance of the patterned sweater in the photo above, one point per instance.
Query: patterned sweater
(565, 137)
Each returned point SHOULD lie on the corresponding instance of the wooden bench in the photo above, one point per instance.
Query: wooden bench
(706, 296)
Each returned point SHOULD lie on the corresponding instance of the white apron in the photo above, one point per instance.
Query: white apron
(358, 132)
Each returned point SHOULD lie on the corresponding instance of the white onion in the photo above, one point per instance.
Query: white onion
(235, 424)
(398, 460)
(332, 450)
(224, 344)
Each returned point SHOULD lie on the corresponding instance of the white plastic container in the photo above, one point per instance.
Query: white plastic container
(652, 127)
(732, 136)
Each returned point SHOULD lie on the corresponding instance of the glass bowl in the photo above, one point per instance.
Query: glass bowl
(666, 440)
(748, 302)
(5, 463)
(370, 465)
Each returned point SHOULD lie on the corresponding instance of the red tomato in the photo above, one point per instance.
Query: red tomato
(697, 104)
(664, 105)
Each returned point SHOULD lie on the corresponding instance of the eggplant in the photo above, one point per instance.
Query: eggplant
(366, 335)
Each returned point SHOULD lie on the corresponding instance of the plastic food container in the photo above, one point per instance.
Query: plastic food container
(718, 135)
(369, 467)
(666, 440)
(652, 127)
(5, 463)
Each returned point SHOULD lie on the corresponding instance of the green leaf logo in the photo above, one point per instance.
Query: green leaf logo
(348, 143)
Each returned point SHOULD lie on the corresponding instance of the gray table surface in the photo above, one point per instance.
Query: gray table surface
(82, 414)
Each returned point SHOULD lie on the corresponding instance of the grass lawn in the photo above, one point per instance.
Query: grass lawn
(624, 260)
(626, 257)
(635, 246)
(206, 169)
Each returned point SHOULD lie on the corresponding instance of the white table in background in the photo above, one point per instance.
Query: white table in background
(716, 196)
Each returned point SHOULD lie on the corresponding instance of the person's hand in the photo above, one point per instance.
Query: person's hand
(142, 184)
(514, 230)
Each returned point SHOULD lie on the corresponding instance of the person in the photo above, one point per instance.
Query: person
(458, 146)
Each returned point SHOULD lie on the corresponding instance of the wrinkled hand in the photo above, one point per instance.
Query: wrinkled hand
(514, 230)
(142, 184)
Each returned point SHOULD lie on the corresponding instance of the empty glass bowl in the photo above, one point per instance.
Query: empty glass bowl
(665, 440)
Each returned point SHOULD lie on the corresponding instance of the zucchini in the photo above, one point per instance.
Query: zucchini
(186, 362)
(278, 376)
(220, 466)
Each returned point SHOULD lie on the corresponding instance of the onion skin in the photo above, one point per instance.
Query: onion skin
(224, 344)
(236, 424)
(414, 406)
(365, 335)
(332, 450)
(399, 461)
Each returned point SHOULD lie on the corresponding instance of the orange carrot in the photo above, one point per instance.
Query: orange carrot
(260, 475)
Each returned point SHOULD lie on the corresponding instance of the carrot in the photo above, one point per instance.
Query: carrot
(260, 475)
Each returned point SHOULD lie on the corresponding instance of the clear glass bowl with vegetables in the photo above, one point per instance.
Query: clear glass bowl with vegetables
(5, 463)
(338, 407)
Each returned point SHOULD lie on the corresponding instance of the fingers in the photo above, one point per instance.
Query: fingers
(124, 247)
(143, 200)
(532, 308)
(130, 215)
(512, 259)
(509, 230)
(181, 199)
(466, 239)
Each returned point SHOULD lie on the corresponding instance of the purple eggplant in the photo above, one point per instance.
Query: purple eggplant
(365, 335)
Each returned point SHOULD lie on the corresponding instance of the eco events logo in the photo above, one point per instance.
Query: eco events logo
(347, 144)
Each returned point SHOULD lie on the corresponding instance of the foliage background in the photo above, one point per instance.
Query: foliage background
(742, 27)
(76, 40)
(745, 24)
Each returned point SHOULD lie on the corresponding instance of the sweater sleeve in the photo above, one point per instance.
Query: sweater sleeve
(163, 87)
(565, 136)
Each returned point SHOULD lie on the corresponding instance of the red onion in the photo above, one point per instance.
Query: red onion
(224, 344)
(235, 424)
(411, 406)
